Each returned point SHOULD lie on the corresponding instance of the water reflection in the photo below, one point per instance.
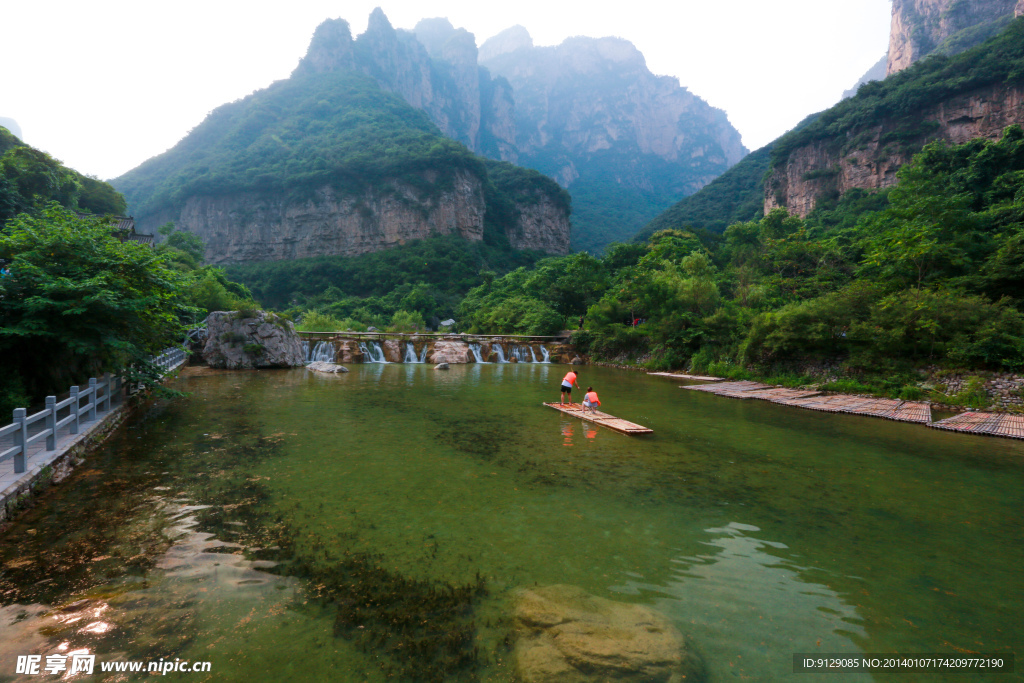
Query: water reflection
(745, 584)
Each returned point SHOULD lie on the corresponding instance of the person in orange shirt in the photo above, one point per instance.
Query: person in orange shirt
(590, 400)
(567, 383)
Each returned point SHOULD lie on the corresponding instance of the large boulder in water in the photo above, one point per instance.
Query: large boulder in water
(566, 635)
(244, 340)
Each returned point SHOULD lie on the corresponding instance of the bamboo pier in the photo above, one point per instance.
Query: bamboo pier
(890, 409)
(603, 419)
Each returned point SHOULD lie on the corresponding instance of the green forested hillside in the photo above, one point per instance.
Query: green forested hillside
(902, 96)
(928, 273)
(29, 178)
(336, 128)
(736, 195)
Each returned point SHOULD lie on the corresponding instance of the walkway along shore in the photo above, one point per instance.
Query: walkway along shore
(1007, 425)
(49, 444)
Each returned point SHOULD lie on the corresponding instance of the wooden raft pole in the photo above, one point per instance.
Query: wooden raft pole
(603, 419)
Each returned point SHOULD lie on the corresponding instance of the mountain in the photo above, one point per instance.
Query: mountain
(923, 27)
(875, 73)
(624, 142)
(11, 125)
(327, 163)
(864, 140)
(433, 68)
(30, 178)
(588, 113)
(736, 196)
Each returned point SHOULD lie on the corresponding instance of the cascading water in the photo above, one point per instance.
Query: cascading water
(544, 352)
(410, 354)
(501, 354)
(423, 354)
(373, 353)
(474, 348)
(323, 351)
(532, 354)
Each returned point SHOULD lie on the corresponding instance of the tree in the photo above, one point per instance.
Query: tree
(81, 302)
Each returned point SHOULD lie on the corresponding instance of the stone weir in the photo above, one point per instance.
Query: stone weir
(423, 349)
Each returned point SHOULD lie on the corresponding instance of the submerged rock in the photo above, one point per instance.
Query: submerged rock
(324, 366)
(243, 340)
(441, 366)
(566, 635)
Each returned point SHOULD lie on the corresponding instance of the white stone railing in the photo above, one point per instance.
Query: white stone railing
(98, 396)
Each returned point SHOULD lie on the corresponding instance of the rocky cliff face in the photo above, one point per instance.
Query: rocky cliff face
(540, 225)
(249, 226)
(589, 95)
(433, 68)
(624, 142)
(824, 169)
(920, 27)
(588, 113)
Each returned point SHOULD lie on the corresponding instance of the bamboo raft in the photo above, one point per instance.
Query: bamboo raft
(890, 409)
(991, 424)
(603, 419)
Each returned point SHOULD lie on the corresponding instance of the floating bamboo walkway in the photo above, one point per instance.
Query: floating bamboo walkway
(697, 378)
(890, 409)
(603, 419)
(991, 424)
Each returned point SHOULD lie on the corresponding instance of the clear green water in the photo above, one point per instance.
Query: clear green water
(760, 530)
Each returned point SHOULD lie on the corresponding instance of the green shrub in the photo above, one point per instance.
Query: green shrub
(846, 386)
(254, 348)
(406, 321)
(911, 392)
(315, 321)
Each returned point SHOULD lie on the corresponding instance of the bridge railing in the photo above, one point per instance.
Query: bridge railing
(98, 395)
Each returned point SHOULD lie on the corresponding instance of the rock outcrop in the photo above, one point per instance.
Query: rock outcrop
(565, 635)
(920, 27)
(250, 226)
(827, 168)
(241, 340)
(433, 68)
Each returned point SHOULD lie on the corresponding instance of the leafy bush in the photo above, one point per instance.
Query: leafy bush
(315, 321)
(406, 321)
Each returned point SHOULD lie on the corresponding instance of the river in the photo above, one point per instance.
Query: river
(279, 523)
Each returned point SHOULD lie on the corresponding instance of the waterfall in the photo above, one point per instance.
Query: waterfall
(501, 354)
(474, 348)
(323, 351)
(544, 352)
(524, 354)
(372, 354)
(410, 354)
(423, 354)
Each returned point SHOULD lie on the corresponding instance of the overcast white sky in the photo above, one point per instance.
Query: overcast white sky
(104, 85)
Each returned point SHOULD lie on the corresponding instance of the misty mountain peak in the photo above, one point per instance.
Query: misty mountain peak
(379, 24)
(330, 48)
(509, 40)
(443, 40)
